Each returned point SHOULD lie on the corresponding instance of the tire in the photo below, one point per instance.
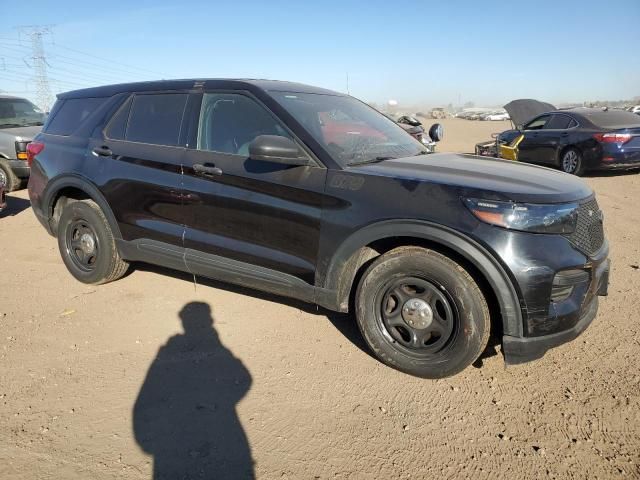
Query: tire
(8, 178)
(87, 245)
(460, 321)
(571, 162)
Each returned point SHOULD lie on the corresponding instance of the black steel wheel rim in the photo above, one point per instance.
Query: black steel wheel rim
(416, 315)
(82, 245)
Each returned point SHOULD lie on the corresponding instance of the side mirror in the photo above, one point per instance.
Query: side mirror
(277, 149)
(436, 132)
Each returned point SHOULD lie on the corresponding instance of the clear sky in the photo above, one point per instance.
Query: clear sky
(415, 51)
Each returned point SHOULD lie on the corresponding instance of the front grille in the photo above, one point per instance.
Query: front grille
(588, 236)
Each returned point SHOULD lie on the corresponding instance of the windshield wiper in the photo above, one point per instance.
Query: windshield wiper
(372, 160)
(33, 124)
(9, 125)
(423, 152)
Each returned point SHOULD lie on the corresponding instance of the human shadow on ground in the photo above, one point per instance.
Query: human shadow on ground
(185, 414)
(343, 322)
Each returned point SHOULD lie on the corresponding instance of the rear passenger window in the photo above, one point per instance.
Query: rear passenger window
(558, 122)
(72, 113)
(156, 119)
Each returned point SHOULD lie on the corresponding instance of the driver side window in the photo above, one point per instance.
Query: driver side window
(229, 122)
(538, 123)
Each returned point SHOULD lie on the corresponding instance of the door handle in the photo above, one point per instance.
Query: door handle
(564, 134)
(207, 169)
(102, 151)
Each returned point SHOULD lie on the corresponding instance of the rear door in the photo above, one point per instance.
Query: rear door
(554, 135)
(143, 150)
(257, 213)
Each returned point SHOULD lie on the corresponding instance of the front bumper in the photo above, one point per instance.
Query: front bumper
(525, 349)
(20, 168)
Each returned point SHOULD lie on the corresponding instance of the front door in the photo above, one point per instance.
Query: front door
(254, 213)
(529, 148)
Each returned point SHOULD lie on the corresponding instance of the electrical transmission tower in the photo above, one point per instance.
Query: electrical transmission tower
(44, 98)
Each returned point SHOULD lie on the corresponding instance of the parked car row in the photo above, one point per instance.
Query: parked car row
(495, 115)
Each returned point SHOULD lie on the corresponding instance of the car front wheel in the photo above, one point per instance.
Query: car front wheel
(87, 245)
(422, 313)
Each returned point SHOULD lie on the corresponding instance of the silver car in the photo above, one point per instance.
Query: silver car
(20, 121)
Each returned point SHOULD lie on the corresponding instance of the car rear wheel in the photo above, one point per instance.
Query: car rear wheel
(422, 313)
(87, 245)
(571, 162)
(8, 179)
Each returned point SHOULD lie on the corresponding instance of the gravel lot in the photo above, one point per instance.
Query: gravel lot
(95, 379)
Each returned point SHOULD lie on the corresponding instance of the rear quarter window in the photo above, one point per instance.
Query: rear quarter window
(72, 113)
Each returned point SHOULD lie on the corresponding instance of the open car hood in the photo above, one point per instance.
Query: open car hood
(524, 110)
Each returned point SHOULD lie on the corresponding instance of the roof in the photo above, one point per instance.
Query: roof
(188, 84)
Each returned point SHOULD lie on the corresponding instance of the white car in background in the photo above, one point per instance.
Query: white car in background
(498, 116)
(635, 110)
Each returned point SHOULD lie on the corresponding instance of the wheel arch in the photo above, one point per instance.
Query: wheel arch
(357, 251)
(74, 187)
(563, 149)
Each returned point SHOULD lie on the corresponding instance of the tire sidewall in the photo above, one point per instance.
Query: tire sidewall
(10, 178)
(472, 322)
(579, 166)
(80, 210)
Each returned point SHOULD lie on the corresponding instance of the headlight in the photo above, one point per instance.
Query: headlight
(558, 218)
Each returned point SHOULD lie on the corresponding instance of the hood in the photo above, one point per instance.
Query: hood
(524, 110)
(26, 133)
(495, 179)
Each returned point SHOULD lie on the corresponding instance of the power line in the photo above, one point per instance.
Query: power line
(107, 60)
(62, 58)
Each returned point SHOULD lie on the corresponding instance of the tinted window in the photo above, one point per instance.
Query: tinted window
(558, 122)
(71, 114)
(538, 123)
(118, 123)
(156, 118)
(230, 122)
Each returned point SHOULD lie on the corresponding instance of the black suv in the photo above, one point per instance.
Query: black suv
(311, 194)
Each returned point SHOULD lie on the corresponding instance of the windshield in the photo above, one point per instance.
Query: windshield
(350, 130)
(18, 112)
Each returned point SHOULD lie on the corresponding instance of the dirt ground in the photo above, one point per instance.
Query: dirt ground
(93, 379)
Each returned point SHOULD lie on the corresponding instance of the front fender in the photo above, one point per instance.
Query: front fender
(340, 273)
